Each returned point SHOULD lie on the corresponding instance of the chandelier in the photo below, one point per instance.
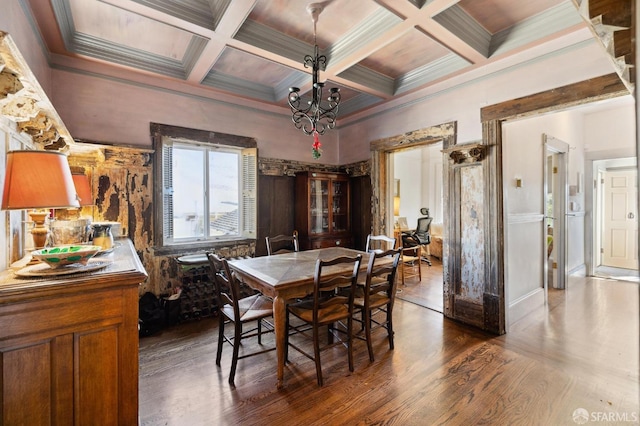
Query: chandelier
(315, 117)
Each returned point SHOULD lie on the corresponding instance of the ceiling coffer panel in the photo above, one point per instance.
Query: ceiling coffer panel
(205, 14)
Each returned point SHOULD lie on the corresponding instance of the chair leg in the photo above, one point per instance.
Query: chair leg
(426, 256)
(367, 334)
(236, 349)
(260, 331)
(390, 326)
(316, 352)
(220, 338)
(350, 340)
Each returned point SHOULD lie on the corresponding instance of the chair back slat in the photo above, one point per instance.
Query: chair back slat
(384, 271)
(227, 288)
(325, 282)
(282, 242)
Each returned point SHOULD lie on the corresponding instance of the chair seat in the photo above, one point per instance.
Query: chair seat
(326, 315)
(375, 300)
(251, 308)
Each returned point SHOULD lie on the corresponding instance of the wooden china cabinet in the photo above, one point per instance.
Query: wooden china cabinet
(69, 343)
(323, 210)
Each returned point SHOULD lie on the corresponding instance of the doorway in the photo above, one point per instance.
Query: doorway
(615, 222)
(382, 183)
(556, 196)
(417, 184)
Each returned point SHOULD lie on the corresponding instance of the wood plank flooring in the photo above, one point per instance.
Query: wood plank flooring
(427, 292)
(581, 351)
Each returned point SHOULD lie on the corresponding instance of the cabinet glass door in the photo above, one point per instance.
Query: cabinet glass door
(319, 205)
(340, 211)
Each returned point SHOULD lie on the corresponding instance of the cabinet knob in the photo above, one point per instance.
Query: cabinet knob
(337, 242)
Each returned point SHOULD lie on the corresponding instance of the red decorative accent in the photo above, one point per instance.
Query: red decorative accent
(316, 151)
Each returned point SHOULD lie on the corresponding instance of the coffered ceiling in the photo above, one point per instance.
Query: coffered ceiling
(253, 50)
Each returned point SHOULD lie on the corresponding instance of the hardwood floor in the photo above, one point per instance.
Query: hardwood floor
(581, 351)
(427, 292)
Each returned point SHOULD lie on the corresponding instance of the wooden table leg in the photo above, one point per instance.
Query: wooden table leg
(279, 320)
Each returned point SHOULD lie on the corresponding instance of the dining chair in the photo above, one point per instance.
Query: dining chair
(379, 243)
(410, 258)
(282, 244)
(327, 307)
(378, 296)
(239, 311)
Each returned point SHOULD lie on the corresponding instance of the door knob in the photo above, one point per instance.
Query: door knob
(631, 215)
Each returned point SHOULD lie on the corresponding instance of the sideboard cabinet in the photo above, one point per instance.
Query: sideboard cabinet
(323, 210)
(69, 344)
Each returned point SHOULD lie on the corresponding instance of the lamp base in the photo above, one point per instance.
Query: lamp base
(39, 231)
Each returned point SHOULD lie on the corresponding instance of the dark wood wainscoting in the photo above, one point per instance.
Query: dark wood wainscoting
(276, 208)
(361, 210)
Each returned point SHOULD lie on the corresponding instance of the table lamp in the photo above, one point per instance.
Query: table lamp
(83, 189)
(38, 180)
(67, 226)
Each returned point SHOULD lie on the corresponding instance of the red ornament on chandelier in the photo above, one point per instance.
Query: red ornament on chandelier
(315, 150)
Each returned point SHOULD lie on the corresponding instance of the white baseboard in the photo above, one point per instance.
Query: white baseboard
(525, 305)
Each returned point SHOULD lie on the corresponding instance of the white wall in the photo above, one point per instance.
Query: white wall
(420, 174)
(610, 130)
(13, 20)
(408, 168)
(432, 158)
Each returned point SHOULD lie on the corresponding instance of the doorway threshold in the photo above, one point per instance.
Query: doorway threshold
(619, 274)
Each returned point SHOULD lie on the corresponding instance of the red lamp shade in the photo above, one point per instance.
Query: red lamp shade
(38, 179)
(83, 189)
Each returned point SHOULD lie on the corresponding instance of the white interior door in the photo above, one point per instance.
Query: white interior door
(620, 221)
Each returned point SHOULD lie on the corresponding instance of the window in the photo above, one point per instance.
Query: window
(208, 191)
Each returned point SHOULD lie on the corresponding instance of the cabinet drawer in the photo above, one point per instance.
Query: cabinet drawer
(330, 242)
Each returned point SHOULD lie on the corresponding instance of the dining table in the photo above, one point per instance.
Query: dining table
(289, 276)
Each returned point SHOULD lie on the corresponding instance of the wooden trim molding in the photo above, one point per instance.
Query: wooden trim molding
(279, 167)
(205, 136)
(595, 89)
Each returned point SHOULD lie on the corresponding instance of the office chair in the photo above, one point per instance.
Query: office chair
(422, 234)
